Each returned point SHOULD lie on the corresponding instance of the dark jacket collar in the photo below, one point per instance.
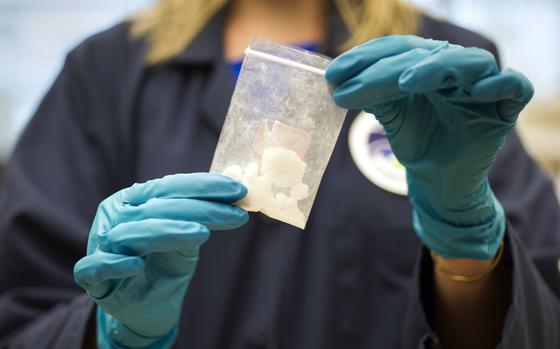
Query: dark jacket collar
(207, 50)
(208, 45)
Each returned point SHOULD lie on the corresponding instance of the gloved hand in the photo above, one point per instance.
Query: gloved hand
(142, 252)
(446, 111)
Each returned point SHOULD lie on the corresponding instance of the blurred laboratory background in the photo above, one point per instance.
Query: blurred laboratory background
(36, 35)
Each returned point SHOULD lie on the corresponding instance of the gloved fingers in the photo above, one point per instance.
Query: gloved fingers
(354, 61)
(97, 271)
(511, 89)
(207, 186)
(452, 67)
(214, 215)
(140, 238)
(378, 83)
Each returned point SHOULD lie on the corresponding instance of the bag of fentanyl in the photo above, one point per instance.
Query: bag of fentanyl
(280, 130)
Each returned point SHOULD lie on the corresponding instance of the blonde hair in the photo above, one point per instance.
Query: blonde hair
(170, 25)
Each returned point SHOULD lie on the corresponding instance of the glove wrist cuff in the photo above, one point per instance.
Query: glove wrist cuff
(450, 240)
(111, 333)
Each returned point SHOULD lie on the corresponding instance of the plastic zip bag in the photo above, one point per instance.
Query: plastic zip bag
(280, 130)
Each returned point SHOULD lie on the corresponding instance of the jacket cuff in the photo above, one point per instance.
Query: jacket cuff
(532, 314)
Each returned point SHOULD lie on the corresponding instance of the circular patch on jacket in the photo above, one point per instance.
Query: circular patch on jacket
(373, 156)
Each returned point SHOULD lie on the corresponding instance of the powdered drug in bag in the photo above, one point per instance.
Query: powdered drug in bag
(280, 130)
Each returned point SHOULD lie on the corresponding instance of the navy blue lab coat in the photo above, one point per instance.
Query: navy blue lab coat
(356, 278)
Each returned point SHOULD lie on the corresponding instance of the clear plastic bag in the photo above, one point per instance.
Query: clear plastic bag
(280, 130)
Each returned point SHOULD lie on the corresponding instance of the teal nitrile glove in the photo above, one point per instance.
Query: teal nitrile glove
(142, 253)
(446, 111)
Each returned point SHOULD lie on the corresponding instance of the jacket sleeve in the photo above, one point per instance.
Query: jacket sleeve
(533, 214)
(532, 253)
(62, 167)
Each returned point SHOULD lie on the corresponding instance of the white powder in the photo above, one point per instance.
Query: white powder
(281, 173)
(300, 191)
(284, 167)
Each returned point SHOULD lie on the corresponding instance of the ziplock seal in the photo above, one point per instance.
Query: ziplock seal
(269, 57)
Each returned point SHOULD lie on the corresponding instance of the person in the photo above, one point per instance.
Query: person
(468, 260)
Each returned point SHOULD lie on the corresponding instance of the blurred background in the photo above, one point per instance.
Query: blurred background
(35, 36)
